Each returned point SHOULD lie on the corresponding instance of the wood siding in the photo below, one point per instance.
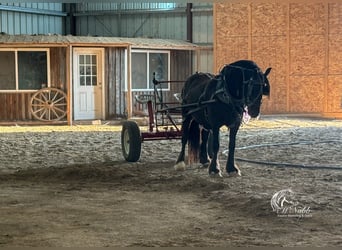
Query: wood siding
(115, 78)
(15, 105)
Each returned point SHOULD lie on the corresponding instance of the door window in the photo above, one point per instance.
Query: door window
(88, 70)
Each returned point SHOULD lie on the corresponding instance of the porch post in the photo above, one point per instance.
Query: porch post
(129, 83)
(69, 85)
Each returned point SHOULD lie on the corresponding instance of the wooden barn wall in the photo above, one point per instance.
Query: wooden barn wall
(115, 79)
(300, 41)
(15, 106)
(58, 68)
(180, 70)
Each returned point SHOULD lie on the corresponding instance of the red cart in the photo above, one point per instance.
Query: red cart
(164, 122)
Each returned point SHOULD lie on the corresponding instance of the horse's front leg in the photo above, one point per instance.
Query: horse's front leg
(214, 167)
(231, 167)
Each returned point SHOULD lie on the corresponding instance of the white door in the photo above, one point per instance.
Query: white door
(88, 83)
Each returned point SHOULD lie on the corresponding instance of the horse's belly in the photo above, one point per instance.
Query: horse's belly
(202, 119)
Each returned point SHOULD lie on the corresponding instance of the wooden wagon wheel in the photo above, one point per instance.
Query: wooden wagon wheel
(49, 104)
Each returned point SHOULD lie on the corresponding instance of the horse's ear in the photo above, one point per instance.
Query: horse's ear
(267, 72)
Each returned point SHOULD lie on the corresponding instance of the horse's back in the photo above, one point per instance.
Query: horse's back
(248, 64)
(194, 87)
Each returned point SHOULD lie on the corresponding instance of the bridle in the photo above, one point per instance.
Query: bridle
(248, 83)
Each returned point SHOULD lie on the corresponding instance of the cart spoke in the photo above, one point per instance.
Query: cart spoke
(60, 99)
(43, 114)
(60, 104)
(43, 97)
(54, 111)
(38, 105)
(54, 97)
(58, 109)
(37, 99)
(38, 110)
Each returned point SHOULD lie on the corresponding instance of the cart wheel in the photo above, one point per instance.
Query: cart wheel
(131, 141)
(49, 104)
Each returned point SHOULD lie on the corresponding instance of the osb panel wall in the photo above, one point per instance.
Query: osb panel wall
(231, 38)
(269, 49)
(335, 38)
(307, 57)
(334, 93)
(306, 94)
(334, 88)
(300, 41)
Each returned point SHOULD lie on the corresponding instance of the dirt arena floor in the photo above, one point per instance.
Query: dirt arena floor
(70, 186)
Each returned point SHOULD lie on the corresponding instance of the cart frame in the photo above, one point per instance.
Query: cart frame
(161, 124)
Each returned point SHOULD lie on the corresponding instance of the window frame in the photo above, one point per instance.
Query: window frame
(16, 50)
(149, 78)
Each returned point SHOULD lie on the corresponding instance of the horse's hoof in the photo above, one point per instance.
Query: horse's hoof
(214, 175)
(204, 165)
(180, 166)
(235, 174)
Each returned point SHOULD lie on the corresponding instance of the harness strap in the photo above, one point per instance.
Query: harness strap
(200, 106)
(223, 94)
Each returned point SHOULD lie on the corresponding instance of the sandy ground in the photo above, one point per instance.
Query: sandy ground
(70, 186)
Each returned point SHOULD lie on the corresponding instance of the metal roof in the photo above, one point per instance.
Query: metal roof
(59, 40)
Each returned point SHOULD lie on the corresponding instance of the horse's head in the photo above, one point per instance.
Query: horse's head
(246, 84)
(260, 87)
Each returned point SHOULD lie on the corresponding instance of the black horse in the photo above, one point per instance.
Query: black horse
(213, 101)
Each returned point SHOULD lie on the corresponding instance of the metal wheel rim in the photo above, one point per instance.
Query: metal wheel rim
(126, 141)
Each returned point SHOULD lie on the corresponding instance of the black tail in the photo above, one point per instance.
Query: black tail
(194, 142)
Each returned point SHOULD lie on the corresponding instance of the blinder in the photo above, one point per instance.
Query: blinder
(249, 83)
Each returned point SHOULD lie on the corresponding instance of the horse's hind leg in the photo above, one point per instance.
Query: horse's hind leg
(180, 164)
(203, 150)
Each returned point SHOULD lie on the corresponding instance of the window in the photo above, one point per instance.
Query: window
(88, 70)
(147, 63)
(23, 69)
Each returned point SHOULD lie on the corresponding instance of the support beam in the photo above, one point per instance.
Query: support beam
(189, 31)
(72, 17)
(32, 10)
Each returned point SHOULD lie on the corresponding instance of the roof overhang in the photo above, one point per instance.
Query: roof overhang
(91, 41)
